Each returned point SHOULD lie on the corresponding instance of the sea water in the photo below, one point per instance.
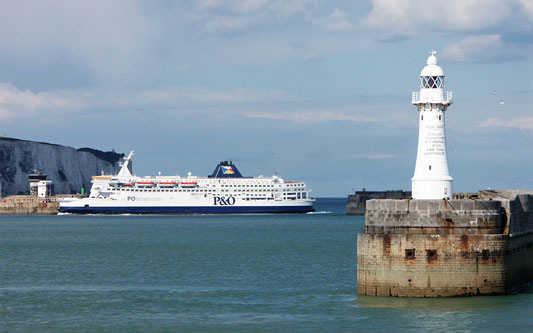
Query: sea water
(224, 273)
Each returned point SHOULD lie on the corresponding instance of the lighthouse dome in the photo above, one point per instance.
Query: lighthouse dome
(432, 69)
(432, 76)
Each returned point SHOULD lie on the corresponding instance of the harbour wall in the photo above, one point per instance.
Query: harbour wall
(25, 204)
(444, 248)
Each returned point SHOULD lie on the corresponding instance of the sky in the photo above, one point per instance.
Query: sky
(312, 90)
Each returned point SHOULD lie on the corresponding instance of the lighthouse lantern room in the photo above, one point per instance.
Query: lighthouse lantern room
(432, 178)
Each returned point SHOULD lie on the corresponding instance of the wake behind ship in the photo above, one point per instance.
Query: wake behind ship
(225, 191)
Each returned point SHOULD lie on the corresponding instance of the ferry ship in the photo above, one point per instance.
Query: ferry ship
(225, 191)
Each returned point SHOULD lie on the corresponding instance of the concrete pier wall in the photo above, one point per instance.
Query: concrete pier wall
(438, 248)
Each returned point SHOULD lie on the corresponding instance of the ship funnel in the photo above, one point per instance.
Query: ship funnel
(226, 169)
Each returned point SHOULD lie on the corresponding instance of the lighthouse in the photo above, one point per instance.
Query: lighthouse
(432, 178)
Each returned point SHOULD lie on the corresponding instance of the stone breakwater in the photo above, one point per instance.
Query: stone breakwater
(25, 204)
(70, 169)
(443, 248)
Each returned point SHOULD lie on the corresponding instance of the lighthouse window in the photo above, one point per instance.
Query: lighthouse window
(422, 117)
(430, 167)
(432, 81)
(440, 117)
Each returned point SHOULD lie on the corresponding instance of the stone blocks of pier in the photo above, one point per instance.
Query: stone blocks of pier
(443, 248)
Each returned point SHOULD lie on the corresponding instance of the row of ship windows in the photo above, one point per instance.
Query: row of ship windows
(303, 196)
(157, 190)
(291, 185)
(291, 195)
(288, 185)
(246, 185)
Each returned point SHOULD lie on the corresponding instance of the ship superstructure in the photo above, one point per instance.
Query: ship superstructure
(225, 191)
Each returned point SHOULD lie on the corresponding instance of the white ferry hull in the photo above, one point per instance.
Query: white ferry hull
(184, 210)
(105, 206)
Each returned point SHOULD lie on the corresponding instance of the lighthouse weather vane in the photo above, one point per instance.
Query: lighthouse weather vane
(432, 178)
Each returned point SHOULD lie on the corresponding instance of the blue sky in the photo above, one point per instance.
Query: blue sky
(314, 90)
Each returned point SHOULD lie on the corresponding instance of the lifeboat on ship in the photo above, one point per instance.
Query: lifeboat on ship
(145, 184)
(167, 184)
(188, 184)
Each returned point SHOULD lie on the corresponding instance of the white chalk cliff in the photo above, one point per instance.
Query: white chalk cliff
(70, 169)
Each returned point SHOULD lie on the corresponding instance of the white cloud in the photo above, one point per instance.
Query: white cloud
(243, 6)
(225, 24)
(107, 38)
(235, 16)
(372, 156)
(497, 28)
(335, 22)
(311, 117)
(287, 9)
(188, 96)
(407, 18)
(477, 48)
(527, 6)
(15, 103)
(525, 123)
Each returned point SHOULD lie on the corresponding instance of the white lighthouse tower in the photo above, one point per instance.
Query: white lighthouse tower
(432, 178)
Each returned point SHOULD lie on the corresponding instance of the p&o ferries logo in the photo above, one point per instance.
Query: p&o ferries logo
(224, 201)
(228, 170)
